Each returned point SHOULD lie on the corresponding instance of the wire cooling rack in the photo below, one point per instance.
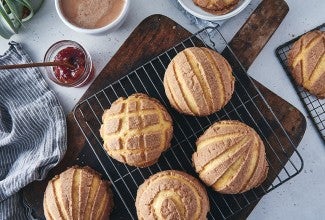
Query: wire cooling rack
(314, 105)
(247, 105)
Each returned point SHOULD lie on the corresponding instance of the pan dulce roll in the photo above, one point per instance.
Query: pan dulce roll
(136, 130)
(306, 60)
(230, 157)
(172, 195)
(198, 81)
(78, 193)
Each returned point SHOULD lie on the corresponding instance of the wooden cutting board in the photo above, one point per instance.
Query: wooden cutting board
(153, 36)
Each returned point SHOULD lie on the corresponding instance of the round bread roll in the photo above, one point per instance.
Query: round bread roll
(136, 130)
(218, 7)
(230, 157)
(78, 193)
(172, 194)
(198, 81)
(306, 60)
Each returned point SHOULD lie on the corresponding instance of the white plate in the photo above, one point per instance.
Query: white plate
(195, 10)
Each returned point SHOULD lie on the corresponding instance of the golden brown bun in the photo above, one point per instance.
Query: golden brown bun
(172, 194)
(218, 7)
(136, 130)
(77, 193)
(198, 81)
(306, 60)
(230, 157)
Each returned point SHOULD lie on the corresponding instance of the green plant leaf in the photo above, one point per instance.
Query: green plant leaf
(5, 32)
(7, 19)
(5, 6)
(32, 6)
(16, 11)
(12, 12)
(27, 3)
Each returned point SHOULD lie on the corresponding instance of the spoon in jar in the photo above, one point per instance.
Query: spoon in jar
(29, 65)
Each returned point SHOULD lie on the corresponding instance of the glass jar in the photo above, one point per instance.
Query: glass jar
(72, 53)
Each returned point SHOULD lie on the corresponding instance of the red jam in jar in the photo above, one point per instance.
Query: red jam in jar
(79, 70)
(76, 58)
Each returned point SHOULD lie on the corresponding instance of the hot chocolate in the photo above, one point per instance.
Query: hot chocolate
(91, 14)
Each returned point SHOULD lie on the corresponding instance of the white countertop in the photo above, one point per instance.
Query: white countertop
(303, 197)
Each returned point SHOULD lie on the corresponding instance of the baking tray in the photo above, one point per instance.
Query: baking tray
(314, 106)
(247, 105)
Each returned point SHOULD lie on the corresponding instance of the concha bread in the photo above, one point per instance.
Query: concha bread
(218, 7)
(172, 194)
(306, 60)
(78, 193)
(230, 157)
(136, 130)
(198, 81)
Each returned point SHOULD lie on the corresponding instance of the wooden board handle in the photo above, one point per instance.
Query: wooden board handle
(258, 29)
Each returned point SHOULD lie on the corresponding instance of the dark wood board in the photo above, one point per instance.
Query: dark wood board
(154, 35)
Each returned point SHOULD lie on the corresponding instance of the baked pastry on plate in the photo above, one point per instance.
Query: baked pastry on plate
(218, 7)
(214, 10)
(136, 130)
(230, 157)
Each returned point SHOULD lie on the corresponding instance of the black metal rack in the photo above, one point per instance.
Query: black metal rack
(314, 106)
(247, 105)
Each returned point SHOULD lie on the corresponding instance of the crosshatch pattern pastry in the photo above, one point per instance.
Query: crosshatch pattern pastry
(218, 7)
(172, 194)
(78, 193)
(136, 130)
(306, 60)
(198, 81)
(230, 157)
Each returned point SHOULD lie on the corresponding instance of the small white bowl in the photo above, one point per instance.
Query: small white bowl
(106, 29)
(195, 10)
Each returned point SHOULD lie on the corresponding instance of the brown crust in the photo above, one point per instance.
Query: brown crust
(172, 194)
(217, 7)
(78, 193)
(230, 157)
(306, 60)
(198, 81)
(136, 130)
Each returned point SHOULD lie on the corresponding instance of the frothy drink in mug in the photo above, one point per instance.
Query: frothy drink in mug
(91, 14)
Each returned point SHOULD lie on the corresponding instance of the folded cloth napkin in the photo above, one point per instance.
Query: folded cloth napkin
(32, 131)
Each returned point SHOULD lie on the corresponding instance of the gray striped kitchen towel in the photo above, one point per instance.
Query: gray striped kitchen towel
(32, 131)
